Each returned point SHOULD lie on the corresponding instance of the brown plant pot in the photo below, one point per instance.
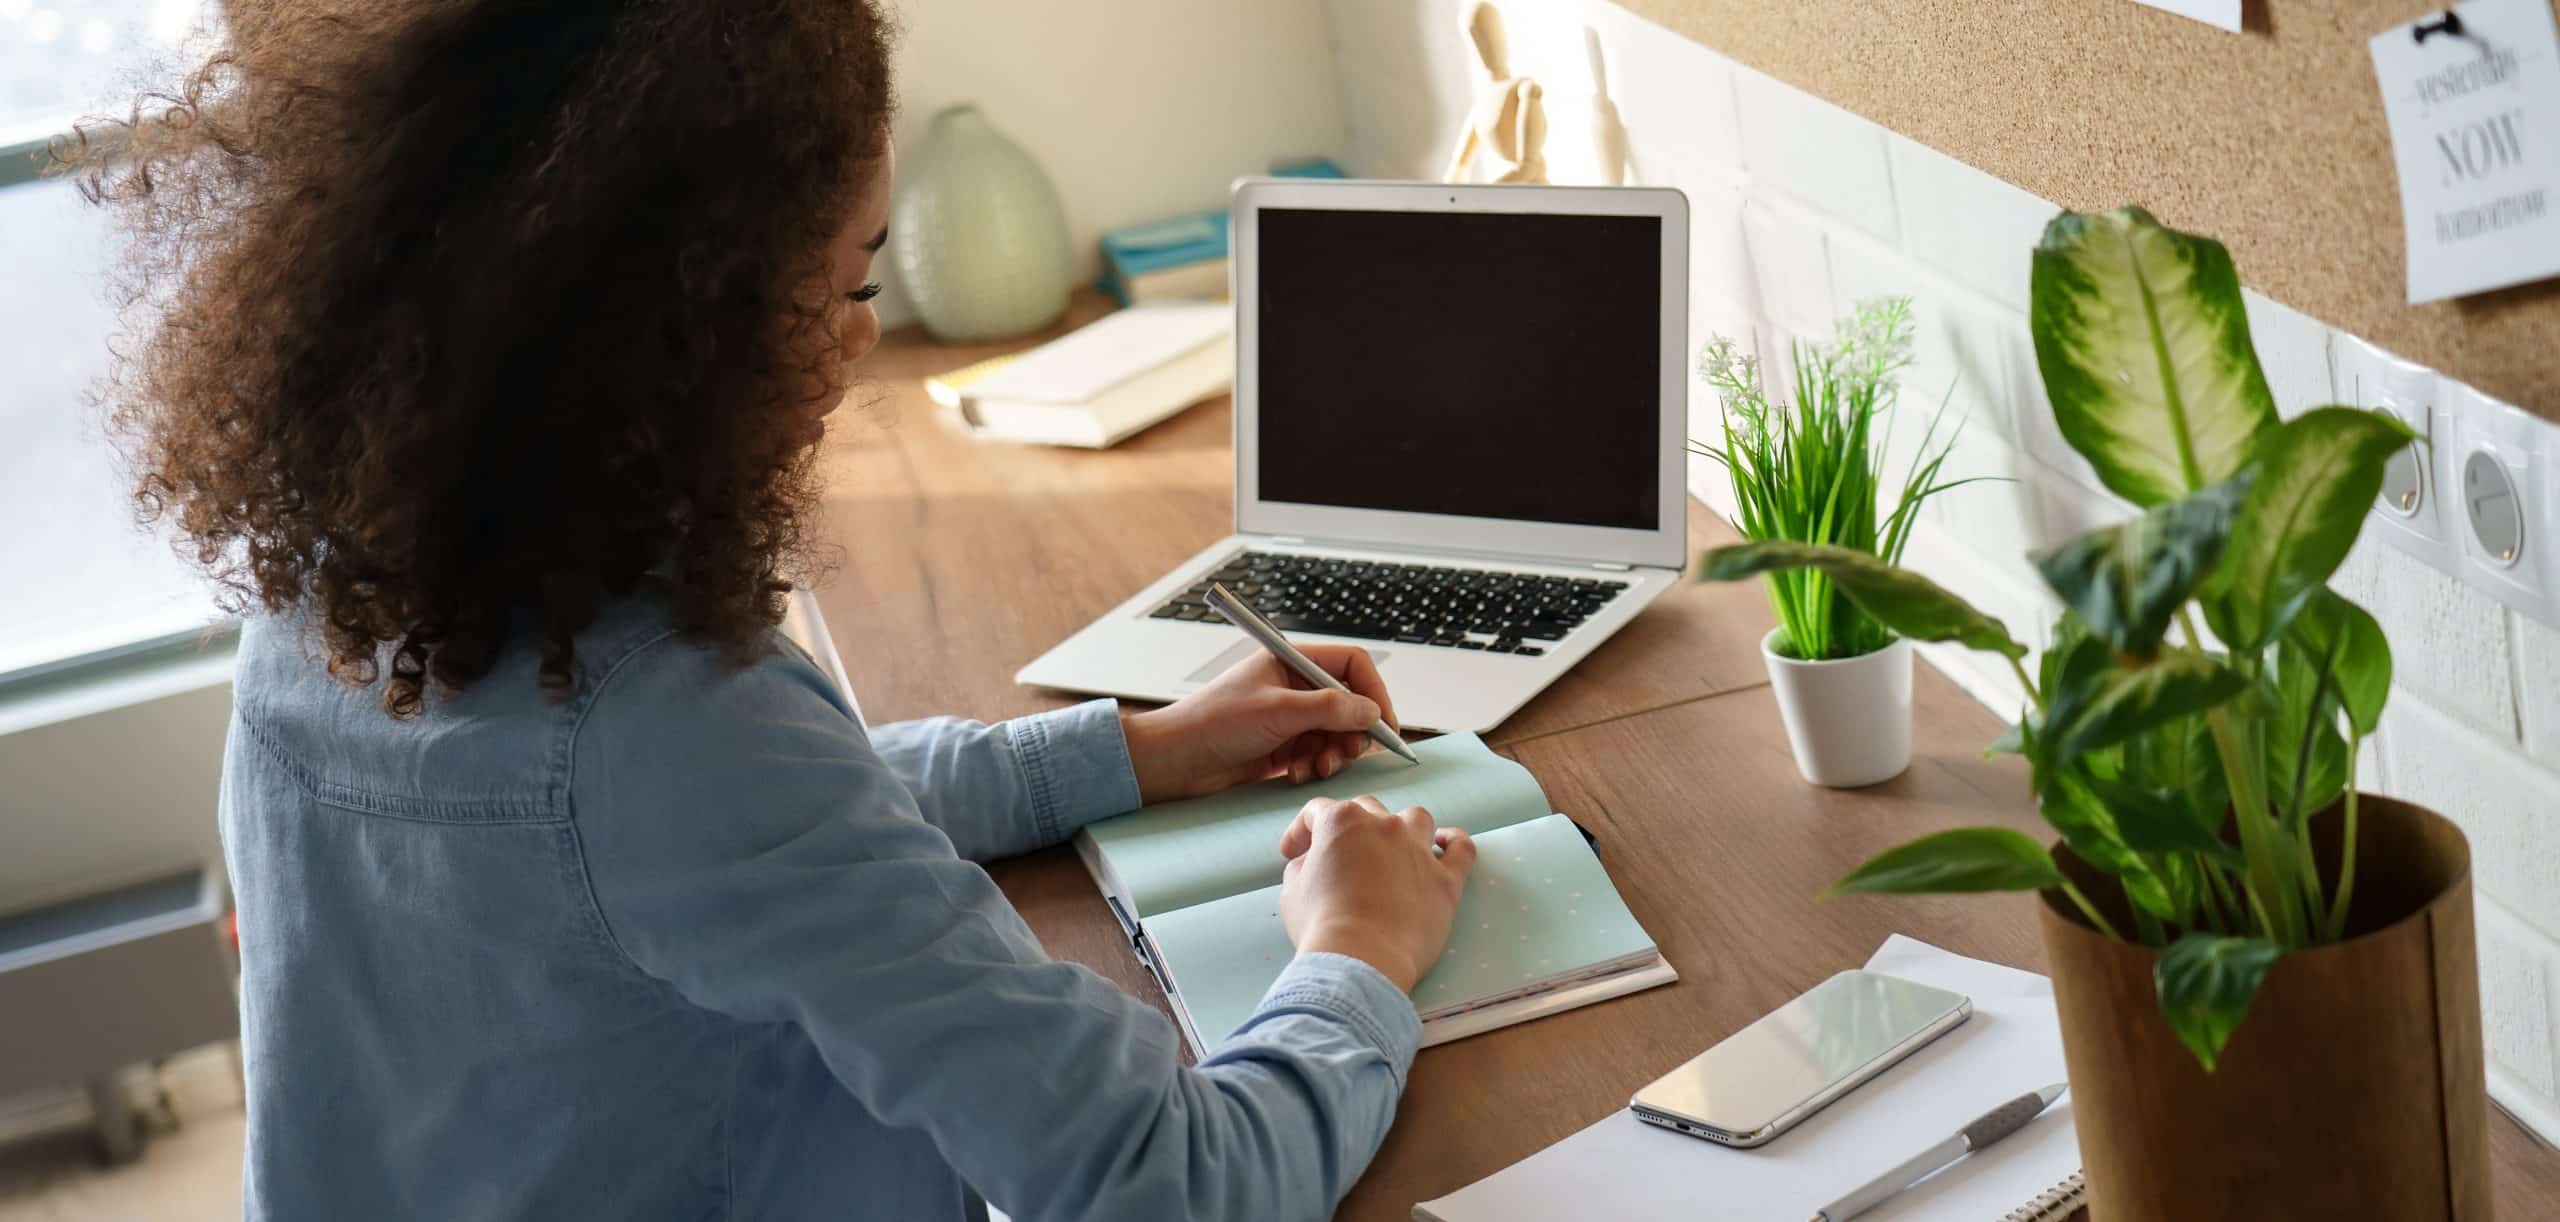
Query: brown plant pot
(2353, 1089)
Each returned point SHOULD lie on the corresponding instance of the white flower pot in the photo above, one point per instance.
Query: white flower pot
(1849, 719)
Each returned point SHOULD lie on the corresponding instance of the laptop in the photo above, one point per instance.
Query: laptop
(1460, 415)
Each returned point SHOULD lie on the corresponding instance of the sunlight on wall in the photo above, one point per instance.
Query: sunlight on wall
(1138, 109)
(1551, 41)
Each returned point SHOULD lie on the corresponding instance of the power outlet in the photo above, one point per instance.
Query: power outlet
(2412, 514)
(2496, 474)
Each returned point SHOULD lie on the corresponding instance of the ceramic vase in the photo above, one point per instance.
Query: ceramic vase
(1848, 719)
(2352, 1088)
(977, 233)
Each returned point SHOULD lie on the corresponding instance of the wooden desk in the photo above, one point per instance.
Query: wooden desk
(964, 560)
(975, 558)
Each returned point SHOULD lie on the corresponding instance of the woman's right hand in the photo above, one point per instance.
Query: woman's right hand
(1366, 883)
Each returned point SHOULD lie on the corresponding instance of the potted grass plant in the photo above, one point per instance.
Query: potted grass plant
(1813, 471)
(2266, 979)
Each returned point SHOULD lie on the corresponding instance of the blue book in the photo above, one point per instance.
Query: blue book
(1539, 930)
(1313, 167)
(1182, 257)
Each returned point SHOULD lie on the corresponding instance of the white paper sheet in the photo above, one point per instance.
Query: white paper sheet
(2223, 13)
(1623, 1168)
(2475, 134)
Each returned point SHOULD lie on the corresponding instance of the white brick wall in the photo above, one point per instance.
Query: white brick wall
(1820, 155)
(2450, 642)
(2293, 349)
(2515, 999)
(2538, 689)
(1804, 209)
(1975, 228)
(2500, 799)
(1790, 252)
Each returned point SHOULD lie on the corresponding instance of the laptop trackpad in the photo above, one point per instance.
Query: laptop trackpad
(1245, 648)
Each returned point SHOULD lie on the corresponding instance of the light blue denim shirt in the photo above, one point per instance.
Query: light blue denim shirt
(685, 941)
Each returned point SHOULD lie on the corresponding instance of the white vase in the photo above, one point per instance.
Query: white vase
(977, 233)
(1848, 719)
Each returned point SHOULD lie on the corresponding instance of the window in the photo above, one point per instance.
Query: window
(60, 59)
(77, 577)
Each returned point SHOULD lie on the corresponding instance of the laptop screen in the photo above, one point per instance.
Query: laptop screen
(1489, 365)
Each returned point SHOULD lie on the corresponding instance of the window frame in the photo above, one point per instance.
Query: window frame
(23, 164)
(22, 157)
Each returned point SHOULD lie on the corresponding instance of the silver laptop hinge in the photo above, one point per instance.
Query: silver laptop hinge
(1609, 566)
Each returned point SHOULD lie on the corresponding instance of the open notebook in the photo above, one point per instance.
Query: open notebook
(1197, 886)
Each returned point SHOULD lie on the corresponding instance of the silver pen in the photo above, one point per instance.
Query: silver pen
(1236, 612)
(1985, 1131)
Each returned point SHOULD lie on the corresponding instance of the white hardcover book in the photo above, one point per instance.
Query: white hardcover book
(1110, 416)
(1079, 366)
(1097, 385)
(1202, 281)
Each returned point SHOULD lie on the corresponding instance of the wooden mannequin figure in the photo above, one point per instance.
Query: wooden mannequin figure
(1529, 135)
(1508, 121)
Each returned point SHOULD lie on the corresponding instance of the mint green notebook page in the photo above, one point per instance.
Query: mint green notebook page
(1177, 854)
(1537, 907)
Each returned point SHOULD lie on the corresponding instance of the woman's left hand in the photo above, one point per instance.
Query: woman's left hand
(1258, 721)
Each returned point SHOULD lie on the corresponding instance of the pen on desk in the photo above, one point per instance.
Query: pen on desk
(1234, 611)
(1985, 1131)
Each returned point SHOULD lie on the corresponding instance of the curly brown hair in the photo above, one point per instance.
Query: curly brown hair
(459, 318)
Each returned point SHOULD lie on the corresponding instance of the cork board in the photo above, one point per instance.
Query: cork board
(2271, 139)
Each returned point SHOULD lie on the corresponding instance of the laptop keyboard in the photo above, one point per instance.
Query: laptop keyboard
(1417, 604)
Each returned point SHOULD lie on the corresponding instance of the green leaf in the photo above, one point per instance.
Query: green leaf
(2089, 826)
(2183, 879)
(2302, 736)
(2324, 771)
(2145, 352)
(2331, 657)
(2329, 626)
(2068, 633)
(1966, 859)
(2178, 758)
(2100, 706)
(2317, 477)
(2206, 984)
(1906, 602)
(2072, 671)
(2156, 820)
(2127, 581)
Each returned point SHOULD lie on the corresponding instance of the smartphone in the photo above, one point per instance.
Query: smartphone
(1767, 1077)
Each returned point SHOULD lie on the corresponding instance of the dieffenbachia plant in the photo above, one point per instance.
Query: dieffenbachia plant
(2187, 761)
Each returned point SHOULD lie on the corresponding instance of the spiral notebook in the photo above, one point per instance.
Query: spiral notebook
(2053, 1204)
(1623, 1168)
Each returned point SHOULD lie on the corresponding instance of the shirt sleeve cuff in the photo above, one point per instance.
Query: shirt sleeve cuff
(1354, 993)
(1076, 762)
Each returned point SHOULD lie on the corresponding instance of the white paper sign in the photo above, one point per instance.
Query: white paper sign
(2224, 13)
(2475, 128)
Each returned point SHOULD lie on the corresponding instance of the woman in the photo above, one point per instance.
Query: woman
(486, 350)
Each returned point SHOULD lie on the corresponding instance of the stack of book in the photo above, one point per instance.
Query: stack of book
(1181, 258)
(1097, 385)
(1184, 258)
